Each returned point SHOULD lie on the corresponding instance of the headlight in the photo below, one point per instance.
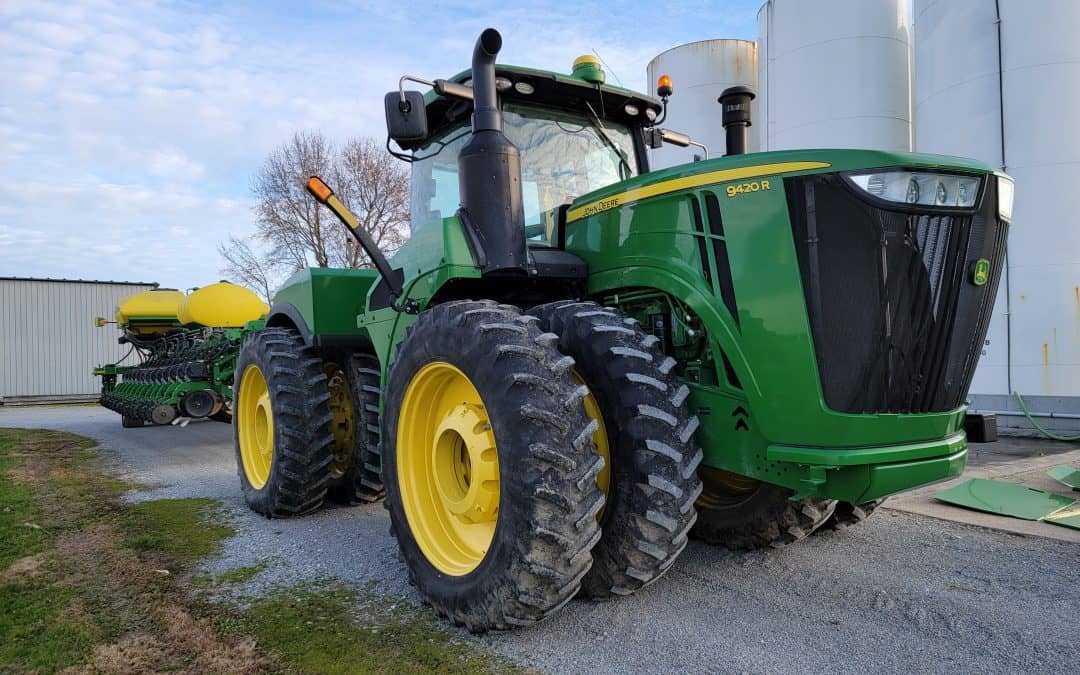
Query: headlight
(920, 188)
(1005, 197)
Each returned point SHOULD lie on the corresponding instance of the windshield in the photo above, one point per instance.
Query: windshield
(563, 156)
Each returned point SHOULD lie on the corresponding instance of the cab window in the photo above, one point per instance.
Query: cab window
(563, 156)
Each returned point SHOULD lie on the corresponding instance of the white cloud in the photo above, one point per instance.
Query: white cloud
(173, 164)
(129, 131)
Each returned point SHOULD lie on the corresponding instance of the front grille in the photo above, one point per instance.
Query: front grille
(897, 323)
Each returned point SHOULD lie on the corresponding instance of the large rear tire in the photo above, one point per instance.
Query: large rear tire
(744, 514)
(490, 468)
(645, 434)
(353, 384)
(281, 429)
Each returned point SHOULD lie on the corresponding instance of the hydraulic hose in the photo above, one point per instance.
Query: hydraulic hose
(1044, 432)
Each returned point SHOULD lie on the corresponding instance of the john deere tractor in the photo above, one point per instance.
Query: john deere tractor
(185, 347)
(576, 362)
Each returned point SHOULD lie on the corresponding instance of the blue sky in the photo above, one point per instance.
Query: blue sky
(129, 130)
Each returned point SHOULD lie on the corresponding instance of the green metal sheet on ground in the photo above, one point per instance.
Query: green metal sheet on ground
(1006, 499)
(1066, 517)
(1066, 474)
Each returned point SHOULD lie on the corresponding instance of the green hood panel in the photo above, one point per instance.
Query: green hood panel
(829, 160)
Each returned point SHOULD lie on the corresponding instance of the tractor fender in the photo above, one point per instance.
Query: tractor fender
(285, 315)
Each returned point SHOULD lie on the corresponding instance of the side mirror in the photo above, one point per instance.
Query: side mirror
(406, 118)
(656, 137)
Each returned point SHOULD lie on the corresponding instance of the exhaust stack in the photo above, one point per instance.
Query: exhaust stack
(735, 103)
(490, 169)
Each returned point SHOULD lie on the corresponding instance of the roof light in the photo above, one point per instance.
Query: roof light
(524, 88)
(631, 109)
(503, 83)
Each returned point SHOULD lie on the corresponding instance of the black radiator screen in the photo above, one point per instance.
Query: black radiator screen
(897, 322)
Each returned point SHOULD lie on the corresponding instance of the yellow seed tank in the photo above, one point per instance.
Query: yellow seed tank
(221, 305)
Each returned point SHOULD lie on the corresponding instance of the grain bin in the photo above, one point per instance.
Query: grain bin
(700, 71)
(834, 74)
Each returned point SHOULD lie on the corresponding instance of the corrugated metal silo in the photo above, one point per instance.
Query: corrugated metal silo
(1005, 89)
(699, 72)
(834, 74)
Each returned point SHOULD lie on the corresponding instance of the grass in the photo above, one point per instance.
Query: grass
(92, 583)
(333, 629)
(229, 578)
(89, 581)
(166, 526)
(20, 532)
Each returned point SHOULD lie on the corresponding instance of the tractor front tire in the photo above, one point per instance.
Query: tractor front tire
(281, 429)
(646, 436)
(744, 514)
(490, 468)
(848, 514)
(356, 472)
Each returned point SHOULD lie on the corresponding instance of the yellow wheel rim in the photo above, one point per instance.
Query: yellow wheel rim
(600, 440)
(447, 469)
(255, 427)
(721, 489)
(342, 422)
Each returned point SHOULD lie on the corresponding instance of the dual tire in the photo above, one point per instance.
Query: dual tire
(647, 438)
(490, 467)
(509, 430)
(305, 425)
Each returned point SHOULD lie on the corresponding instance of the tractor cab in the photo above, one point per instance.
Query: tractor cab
(574, 133)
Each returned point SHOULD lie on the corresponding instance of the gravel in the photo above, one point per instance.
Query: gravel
(899, 593)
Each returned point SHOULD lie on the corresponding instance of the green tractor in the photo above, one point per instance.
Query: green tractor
(576, 363)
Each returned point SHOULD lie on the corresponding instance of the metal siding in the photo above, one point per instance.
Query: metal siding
(1033, 346)
(48, 342)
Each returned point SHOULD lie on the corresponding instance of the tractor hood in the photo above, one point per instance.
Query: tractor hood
(758, 165)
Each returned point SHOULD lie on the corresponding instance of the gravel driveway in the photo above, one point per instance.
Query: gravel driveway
(900, 593)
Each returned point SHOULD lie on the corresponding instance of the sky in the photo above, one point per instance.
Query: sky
(129, 131)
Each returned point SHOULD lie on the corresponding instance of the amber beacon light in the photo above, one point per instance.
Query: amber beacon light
(319, 190)
(664, 87)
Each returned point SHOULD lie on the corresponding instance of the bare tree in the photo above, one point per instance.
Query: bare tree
(249, 268)
(376, 187)
(295, 232)
(286, 217)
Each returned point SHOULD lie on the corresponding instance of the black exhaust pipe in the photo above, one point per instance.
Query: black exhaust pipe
(735, 103)
(490, 170)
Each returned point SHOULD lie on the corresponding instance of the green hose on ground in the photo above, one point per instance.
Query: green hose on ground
(1044, 432)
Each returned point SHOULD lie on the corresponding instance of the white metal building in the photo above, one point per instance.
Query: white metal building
(700, 71)
(49, 344)
(834, 74)
(999, 80)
